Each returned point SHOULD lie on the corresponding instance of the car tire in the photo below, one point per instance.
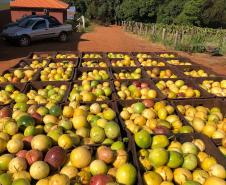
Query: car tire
(63, 37)
(24, 41)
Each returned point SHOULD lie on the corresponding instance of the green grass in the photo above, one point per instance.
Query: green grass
(4, 6)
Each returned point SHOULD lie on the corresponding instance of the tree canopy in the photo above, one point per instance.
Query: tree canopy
(206, 13)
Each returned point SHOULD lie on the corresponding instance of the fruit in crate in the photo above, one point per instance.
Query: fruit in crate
(126, 62)
(58, 74)
(161, 73)
(197, 73)
(94, 63)
(167, 55)
(136, 90)
(178, 62)
(215, 87)
(37, 64)
(50, 93)
(66, 56)
(150, 62)
(117, 55)
(39, 56)
(18, 75)
(64, 64)
(8, 93)
(209, 121)
(92, 55)
(125, 74)
(94, 75)
(169, 160)
(91, 91)
(154, 117)
(177, 89)
(144, 55)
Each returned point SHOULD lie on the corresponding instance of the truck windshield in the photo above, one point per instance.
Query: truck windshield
(26, 23)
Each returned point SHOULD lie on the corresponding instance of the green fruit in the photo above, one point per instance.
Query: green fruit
(108, 141)
(186, 129)
(42, 111)
(25, 121)
(9, 88)
(109, 114)
(158, 157)
(138, 107)
(5, 179)
(4, 161)
(175, 159)
(21, 106)
(21, 98)
(190, 162)
(21, 182)
(98, 167)
(159, 141)
(191, 183)
(162, 113)
(94, 83)
(97, 134)
(30, 131)
(126, 174)
(118, 145)
(112, 130)
(55, 110)
(143, 139)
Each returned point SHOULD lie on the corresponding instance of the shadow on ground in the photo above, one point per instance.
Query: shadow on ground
(11, 51)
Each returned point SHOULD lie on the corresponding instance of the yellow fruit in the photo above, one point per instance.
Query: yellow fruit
(214, 180)
(208, 162)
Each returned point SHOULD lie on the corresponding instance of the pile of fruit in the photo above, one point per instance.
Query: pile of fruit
(134, 90)
(94, 74)
(177, 89)
(177, 62)
(36, 64)
(94, 63)
(117, 55)
(197, 73)
(91, 91)
(128, 74)
(161, 73)
(126, 62)
(64, 64)
(50, 93)
(92, 55)
(18, 75)
(167, 55)
(56, 74)
(155, 117)
(8, 94)
(167, 162)
(143, 56)
(37, 56)
(111, 119)
(151, 62)
(217, 88)
(66, 56)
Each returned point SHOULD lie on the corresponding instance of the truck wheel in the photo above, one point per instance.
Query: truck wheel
(63, 37)
(24, 41)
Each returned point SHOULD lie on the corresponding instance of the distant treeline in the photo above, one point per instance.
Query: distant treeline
(204, 13)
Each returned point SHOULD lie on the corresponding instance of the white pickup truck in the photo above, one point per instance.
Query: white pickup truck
(37, 28)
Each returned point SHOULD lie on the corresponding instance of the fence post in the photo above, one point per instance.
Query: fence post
(146, 30)
(163, 34)
(176, 38)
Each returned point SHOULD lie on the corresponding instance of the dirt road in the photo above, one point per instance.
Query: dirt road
(111, 38)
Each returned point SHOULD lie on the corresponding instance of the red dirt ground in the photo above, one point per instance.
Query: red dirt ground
(111, 38)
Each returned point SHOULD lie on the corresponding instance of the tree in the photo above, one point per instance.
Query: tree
(191, 13)
(169, 10)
